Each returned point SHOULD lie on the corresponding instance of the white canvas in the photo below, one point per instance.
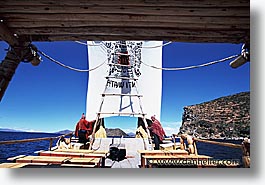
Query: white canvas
(149, 83)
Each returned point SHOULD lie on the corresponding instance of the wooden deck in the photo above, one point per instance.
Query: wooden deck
(137, 156)
(144, 154)
(43, 165)
(81, 157)
(92, 162)
(132, 145)
(190, 161)
(59, 158)
(23, 165)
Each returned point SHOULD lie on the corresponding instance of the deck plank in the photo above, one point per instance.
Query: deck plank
(78, 166)
(85, 161)
(42, 159)
(22, 165)
(72, 154)
(82, 151)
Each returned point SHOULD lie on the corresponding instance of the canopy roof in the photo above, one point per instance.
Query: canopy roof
(215, 21)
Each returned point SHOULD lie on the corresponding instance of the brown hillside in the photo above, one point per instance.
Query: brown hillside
(225, 117)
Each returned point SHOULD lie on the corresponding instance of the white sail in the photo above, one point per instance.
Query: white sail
(121, 83)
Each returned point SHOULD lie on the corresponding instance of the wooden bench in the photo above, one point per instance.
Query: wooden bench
(175, 161)
(78, 166)
(160, 153)
(77, 146)
(58, 160)
(102, 156)
(191, 161)
(84, 161)
(39, 159)
(82, 151)
(166, 146)
(45, 165)
(22, 165)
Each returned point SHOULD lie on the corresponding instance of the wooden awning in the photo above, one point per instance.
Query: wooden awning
(215, 21)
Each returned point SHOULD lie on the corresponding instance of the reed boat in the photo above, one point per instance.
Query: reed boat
(119, 77)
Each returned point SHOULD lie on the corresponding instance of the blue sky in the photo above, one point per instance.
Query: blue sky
(51, 98)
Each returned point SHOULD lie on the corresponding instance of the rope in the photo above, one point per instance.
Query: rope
(100, 45)
(192, 67)
(83, 43)
(157, 45)
(160, 68)
(69, 67)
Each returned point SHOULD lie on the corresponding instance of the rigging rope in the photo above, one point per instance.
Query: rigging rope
(157, 45)
(160, 68)
(88, 44)
(192, 67)
(69, 67)
(100, 45)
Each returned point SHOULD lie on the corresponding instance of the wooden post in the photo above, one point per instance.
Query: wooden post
(7, 69)
(195, 148)
(148, 132)
(50, 146)
(19, 50)
(246, 153)
(144, 119)
(97, 120)
(93, 132)
(9, 65)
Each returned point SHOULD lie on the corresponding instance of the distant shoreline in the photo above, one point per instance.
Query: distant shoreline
(17, 131)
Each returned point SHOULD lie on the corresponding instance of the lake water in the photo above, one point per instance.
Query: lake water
(28, 148)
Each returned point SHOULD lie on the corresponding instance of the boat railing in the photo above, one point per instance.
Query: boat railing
(244, 146)
(51, 139)
(232, 145)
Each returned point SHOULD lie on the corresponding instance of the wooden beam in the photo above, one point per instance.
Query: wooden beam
(236, 40)
(128, 10)
(232, 25)
(129, 19)
(13, 19)
(131, 32)
(179, 3)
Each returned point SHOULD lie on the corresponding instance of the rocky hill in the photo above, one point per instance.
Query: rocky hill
(64, 132)
(115, 132)
(225, 117)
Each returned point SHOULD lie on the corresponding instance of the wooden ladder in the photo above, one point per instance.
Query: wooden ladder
(104, 94)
